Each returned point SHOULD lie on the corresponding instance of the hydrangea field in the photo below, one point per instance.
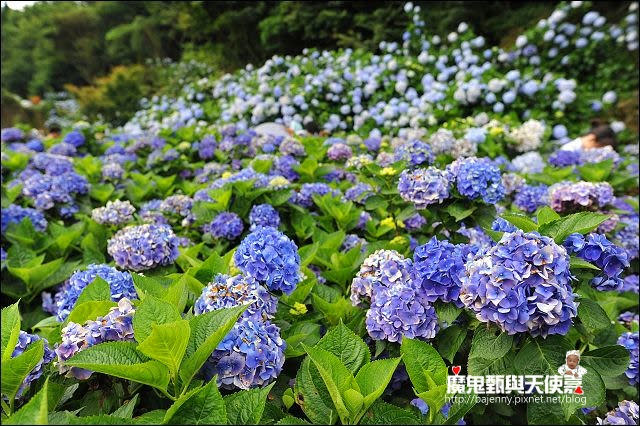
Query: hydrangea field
(185, 268)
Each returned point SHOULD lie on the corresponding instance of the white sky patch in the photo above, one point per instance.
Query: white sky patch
(18, 5)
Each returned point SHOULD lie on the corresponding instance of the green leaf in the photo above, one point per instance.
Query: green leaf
(459, 408)
(201, 406)
(307, 253)
(10, 330)
(126, 410)
(419, 357)
(246, 407)
(152, 311)
(99, 419)
(542, 356)
(373, 379)
(544, 413)
(14, 370)
(490, 343)
(337, 378)
(121, 359)
(176, 294)
(351, 350)
(312, 395)
(521, 221)
(546, 214)
(447, 312)
(583, 223)
(478, 366)
(460, 210)
(33, 276)
(167, 343)
(97, 290)
(608, 360)
(154, 417)
(210, 267)
(449, 340)
(577, 263)
(596, 172)
(292, 420)
(154, 286)
(594, 393)
(592, 316)
(90, 310)
(382, 413)
(207, 330)
(33, 412)
(57, 277)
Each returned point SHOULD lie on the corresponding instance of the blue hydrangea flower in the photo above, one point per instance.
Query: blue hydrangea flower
(414, 152)
(24, 341)
(626, 413)
(424, 409)
(179, 205)
(564, 158)
(627, 318)
(478, 178)
(143, 247)
(114, 213)
(631, 283)
(502, 225)
(597, 249)
(120, 283)
(424, 187)
(74, 138)
(226, 225)
(522, 284)
(285, 165)
(359, 192)
(627, 236)
(47, 189)
(271, 258)
(529, 197)
(304, 197)
(11, 134)
(207, 147)
(226, 291)
(112, 171)
(631, 341)
(63, 148)
(386, 268)
(250, 355)
(352, 240)
(439, 270)
(263, 215)
(15, 214)
(117, 325)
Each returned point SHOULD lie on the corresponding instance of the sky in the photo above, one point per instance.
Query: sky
(17, 5)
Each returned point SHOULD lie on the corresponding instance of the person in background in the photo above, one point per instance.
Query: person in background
(53, 130)
(600, 135)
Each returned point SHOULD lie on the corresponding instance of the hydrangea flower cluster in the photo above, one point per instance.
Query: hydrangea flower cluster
(179, 205)
(117, 325)
(529, 197)
(528, 163)
(512, 182)
(522, 284)
(502, 225)
(228, 291)
(143, 247)
(424, 187)
(207, 147)
(565, 158)
(442, 141)
(359, 192)
(414, 222)
(631, 283)
(24, 341)
(439, 270)
(304, 197)
(397, 307)
(415, 152)
(478, 178)
(120, 283)
(112, 171)
(74, 138)
(631, 341)
(352, 240)
(626, 413)
(11, 134)
(263, 215)
(627, 236)
(271, 258)
(250, 355)
(528, 136)
(339, 152)
(597, 249)
(568, 197)
(114, 213)
(15, 214)
(227, 225)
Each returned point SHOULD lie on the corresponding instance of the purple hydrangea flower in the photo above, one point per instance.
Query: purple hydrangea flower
(564, 158)
(11, 134)
(112, 171)
(529, 197)
(304, 197)
(568, 197)
(626, 413)
(597, 249)
(631, 341)
(179, 205)
(15, 214)
(502, 225)
(291, 146)
(271, 258)
(226, 225)
(627, 318)
(382, 268)
(439, 270)
(631, 283)
(478, 178)
(63, 148)
(143, 247)
(120, 283)
(207, 147)
(114, 213)
(339, 151)
(352, 240)
(285, 165)
(263, 215)
(372, 143)
(522, 284)
(359, 192)
(627, 236)
(117, 325)
(226, 291)
(24, 341)
(250, 355)
(414, 222)
(423, 187)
